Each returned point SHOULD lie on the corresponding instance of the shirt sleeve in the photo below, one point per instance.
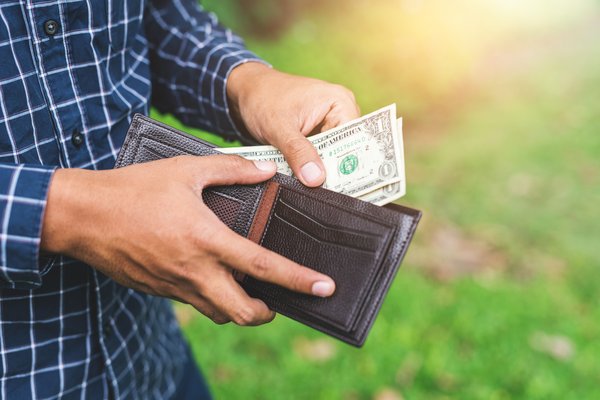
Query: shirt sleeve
(23, 192)
(191, 56)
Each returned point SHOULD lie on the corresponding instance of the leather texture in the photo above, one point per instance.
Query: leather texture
(358, 244)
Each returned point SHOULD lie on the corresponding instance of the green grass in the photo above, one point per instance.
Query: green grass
(512, 168)
(467, 339)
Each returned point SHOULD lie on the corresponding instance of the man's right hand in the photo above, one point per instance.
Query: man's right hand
(146, 227)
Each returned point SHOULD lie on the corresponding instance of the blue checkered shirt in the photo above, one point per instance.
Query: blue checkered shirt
(72, 73)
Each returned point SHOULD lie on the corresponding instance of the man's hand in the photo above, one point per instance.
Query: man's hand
(282, 109)
(146, 227)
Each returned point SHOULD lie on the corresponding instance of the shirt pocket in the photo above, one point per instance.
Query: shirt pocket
(124, 22)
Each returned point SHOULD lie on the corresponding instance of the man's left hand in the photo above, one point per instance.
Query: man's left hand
(282, 109)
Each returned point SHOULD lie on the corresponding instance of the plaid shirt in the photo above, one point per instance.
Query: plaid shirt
(72, 73)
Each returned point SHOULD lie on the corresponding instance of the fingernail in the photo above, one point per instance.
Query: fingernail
(311, 172)
(322, 289)
(265, 165)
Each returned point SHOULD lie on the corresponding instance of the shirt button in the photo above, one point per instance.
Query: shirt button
(50, 27)
(77, 138)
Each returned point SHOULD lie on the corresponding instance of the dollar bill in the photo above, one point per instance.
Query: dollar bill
(395, 190)
(386, 194)
(360, 156)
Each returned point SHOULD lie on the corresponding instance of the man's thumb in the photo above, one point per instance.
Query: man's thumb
(304, 160)
(224, 169)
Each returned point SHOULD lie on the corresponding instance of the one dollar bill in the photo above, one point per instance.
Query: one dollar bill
(363, 158)
(393, 191)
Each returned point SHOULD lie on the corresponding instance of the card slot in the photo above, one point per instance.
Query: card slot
(287, 202)
(328, 226)
(350, 255)
(351, 268)
(322, 232)
(337, 214)
(365, 268)
(320, 240)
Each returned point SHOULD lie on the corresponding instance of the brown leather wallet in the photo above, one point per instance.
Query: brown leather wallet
(358, 244)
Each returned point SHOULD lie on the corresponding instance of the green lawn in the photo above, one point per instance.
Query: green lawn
(498, 297)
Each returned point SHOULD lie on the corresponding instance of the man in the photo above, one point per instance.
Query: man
(90, 255)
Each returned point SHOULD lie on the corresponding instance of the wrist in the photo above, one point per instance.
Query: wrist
(242, 79)
(243, 88)
(65, 205)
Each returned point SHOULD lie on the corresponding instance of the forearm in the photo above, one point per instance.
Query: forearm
(69, 203)
(241, 83)
(191, 58)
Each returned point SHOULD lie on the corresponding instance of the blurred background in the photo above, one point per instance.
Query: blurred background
(498, 297)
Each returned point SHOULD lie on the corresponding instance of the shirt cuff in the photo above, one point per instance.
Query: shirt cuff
(24, 190)
(228, 60)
